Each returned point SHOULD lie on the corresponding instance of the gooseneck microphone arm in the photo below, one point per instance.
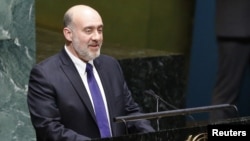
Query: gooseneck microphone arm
(150, 92)
(157, 110)
(157, 97)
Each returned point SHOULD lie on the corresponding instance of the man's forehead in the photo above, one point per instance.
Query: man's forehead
(93, 26)
(87, 16)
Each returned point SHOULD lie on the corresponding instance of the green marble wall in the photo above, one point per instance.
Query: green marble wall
(17, 53)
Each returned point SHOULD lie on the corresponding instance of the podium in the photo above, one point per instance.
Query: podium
(193, 132)
(190, 133)
(180, 134)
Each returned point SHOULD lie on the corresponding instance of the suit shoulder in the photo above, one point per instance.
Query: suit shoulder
(104, 56)
(107, 58)
(49, 60)
(107, 62)
(50, 63)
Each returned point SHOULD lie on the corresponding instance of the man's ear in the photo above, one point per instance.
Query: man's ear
(67, 33)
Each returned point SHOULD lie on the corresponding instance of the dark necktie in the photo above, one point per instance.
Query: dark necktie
(101, 114)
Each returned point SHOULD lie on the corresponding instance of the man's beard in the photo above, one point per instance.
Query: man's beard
(84, 53)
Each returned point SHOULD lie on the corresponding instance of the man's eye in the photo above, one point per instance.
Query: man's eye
(88, 30)
(100, 30)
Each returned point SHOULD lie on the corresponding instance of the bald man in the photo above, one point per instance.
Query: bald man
(60, 102)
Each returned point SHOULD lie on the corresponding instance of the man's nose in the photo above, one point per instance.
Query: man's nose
(96, 35)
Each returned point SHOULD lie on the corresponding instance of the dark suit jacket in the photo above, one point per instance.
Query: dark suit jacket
(233, 18)
(59, 105)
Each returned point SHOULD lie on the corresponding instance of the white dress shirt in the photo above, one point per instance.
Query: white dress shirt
(81, 68)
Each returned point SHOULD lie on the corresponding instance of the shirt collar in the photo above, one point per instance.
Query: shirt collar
(78, 62)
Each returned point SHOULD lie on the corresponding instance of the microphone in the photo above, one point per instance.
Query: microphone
(152, 93)
(157, 97)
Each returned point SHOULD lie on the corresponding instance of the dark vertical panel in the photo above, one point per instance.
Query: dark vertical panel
(203, 58)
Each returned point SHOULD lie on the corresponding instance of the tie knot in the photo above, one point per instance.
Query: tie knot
(89, 67)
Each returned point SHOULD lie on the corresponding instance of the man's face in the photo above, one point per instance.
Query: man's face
(87, 36)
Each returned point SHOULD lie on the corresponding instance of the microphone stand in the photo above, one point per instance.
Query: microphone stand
(157, 97)
(157, 110)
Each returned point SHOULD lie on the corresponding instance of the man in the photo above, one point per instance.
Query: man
(60, 102)
(233, 37)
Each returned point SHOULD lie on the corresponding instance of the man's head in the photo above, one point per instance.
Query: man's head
(83, 31)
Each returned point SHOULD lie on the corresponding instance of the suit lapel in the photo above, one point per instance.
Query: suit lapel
(75, 79)
(100, 67)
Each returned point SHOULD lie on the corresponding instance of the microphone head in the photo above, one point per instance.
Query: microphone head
(151, 92)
